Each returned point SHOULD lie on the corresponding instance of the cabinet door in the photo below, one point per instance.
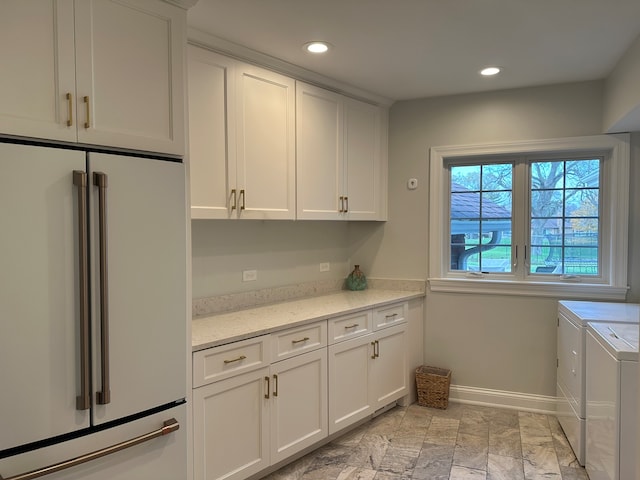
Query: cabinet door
(389, 374)
(299, 403)
(129, 66)
(265, 141)
(230, 427)
(319, 153)
(363, 170)
(212, 159)
(146, 280)
(38, 68)
(39, 351)
(349, 365)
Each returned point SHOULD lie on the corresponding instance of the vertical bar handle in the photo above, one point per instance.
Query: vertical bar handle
(266, 379)
(83, 401)
(341, 199)
(275, 385)
(346, 201)
(104, 396)
(242, 196)
(235, 200)
(373, 344)
(70, 109)
(87, 123)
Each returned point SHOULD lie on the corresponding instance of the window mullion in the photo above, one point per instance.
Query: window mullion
(520, 217)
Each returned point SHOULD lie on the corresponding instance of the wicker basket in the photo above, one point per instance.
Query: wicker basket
(433, 386)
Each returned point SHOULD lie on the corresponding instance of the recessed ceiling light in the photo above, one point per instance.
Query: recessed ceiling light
(488, 71)
(316, 47)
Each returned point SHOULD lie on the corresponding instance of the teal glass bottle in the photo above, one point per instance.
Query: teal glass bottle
(356, 279)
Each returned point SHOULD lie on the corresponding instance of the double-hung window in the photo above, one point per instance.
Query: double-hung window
(544, 218)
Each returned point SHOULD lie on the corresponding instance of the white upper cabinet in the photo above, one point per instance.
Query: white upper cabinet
(38, 68)
(241, 140)
(100, 72)
(319, 130)
(364, 189)
(211, 121)
(266, 155)
(341, 157)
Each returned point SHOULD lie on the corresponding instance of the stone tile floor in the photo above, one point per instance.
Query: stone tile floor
(461, 442)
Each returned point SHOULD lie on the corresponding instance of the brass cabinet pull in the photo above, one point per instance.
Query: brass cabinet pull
(239, 359)
(275, 385)
(87, 122)
(300, 341)
(346, 201)
(70, 109)
(393, 315)
(233, 195)
(341, 204)
(242, 196)
(104, 396)
(83, 401)
(351, 326)
(376, 349)
(168, 427)
(266, 379)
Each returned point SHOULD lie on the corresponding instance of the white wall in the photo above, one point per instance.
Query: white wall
(488, 341)
(634, 224)
(283, 253)
(621, 93)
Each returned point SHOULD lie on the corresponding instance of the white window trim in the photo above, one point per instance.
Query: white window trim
(617, 214)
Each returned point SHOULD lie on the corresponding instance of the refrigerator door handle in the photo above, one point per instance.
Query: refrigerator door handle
(83, 401)
(103, 397)
(168, 427)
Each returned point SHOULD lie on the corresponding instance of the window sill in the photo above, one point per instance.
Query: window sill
(560, 290)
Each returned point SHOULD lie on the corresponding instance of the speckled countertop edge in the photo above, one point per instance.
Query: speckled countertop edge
(230, 327)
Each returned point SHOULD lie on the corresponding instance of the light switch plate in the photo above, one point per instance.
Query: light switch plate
(249, 275)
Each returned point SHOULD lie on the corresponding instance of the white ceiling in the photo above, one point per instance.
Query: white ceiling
(405, 49)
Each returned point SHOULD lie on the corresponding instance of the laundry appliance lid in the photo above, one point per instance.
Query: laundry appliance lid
(620, 339)
(582, 312)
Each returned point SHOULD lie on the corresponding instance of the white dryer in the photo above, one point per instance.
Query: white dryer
(612, 401)
(573, 318)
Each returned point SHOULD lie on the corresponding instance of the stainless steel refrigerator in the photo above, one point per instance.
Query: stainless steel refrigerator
(93, 346)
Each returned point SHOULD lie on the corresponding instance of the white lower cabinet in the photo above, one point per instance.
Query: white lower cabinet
(248, 421)
(389, 373)
(250, 414)
(365, 374)
(231, 427)
(298, 403)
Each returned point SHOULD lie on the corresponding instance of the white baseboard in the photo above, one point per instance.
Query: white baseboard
(502, 399)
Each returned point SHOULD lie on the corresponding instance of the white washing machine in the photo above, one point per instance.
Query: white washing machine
(612, 401)
(573, 318)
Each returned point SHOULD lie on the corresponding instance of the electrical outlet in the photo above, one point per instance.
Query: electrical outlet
(249, 275)
(325, 267)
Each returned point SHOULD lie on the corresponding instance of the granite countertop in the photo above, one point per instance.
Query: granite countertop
(229, 327)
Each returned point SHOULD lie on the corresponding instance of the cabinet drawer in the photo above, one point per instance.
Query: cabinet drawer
(217, 363)
(294, 341)
(349, 326)
(389, 315)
